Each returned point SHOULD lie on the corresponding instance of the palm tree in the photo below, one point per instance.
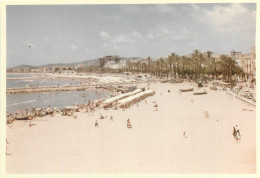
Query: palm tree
(228, 65)
(184, 64)
(149, 61)
(196, 63)
(173, 60)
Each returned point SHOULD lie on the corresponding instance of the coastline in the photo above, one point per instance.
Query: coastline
(62, 141)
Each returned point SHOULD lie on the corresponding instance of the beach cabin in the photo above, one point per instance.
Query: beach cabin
(113, 101)
(125, 103)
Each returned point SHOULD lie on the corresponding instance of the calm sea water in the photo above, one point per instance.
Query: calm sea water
(55, 99)
(43, 99)
(18, 75)
(40, 82)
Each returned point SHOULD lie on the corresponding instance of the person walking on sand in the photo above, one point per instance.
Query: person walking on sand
(96, 124)
(128, 124)
(234, 132)
(184, 134)
(206, 114)
(237, 130)
(111, 118)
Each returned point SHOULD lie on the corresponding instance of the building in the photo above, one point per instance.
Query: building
(248, 63)
(237, 57)
(116, 64)
(35, 70)
(253, 60)
(106, 59)
(93, 62)
(44, 69)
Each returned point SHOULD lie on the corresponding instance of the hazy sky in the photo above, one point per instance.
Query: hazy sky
(72, 33)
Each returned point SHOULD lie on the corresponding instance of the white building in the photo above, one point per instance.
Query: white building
(115, 65)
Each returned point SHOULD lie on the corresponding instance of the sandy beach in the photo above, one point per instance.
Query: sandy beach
(155, 143)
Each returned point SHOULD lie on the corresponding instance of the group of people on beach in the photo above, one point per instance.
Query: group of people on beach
(128, 124)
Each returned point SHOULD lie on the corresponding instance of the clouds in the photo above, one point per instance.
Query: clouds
(159, 8)
(83, 32)
(235, 18)
(170, 33)
(103, 35)
(73, 47)
(120, 41)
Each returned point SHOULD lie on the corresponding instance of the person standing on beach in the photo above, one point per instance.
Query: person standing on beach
(206, 114)
(96, 124)
(128, 124)
(237, 130)
(184, 134)
(234, 132)
(6, 148)
(111, 118)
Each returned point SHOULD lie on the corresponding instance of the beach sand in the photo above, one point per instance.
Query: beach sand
(155, 143)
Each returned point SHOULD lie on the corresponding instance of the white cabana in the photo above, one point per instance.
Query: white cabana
(116, 98)
(135, 98)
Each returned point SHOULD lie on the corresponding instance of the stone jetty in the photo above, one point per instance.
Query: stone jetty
(47, 89)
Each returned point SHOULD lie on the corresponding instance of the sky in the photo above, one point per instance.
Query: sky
(43, 34)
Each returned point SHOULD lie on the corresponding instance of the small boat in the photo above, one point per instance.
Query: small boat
(49, 111)
(9, 119)
(81, 89)
(75, 108)
(22, 117)
(213, 88)
(42, 113)
(19, 115)
(176, 81)
(186, 90)
(200, 92)
(164, 81)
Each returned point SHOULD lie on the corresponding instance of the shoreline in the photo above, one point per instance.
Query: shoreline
(153, 144)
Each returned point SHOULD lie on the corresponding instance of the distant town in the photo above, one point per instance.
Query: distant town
(196, 63)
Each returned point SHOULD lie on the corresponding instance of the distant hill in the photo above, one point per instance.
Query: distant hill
(55, 64)
(86, 62)
(24, 66)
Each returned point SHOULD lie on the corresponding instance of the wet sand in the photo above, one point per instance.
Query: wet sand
(155, 143)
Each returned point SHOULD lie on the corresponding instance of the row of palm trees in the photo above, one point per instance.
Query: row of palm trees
(195, 66)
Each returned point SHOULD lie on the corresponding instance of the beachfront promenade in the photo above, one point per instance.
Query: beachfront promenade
(154, 144)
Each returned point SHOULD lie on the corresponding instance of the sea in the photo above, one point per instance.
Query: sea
(61, 99)
(36, 82)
